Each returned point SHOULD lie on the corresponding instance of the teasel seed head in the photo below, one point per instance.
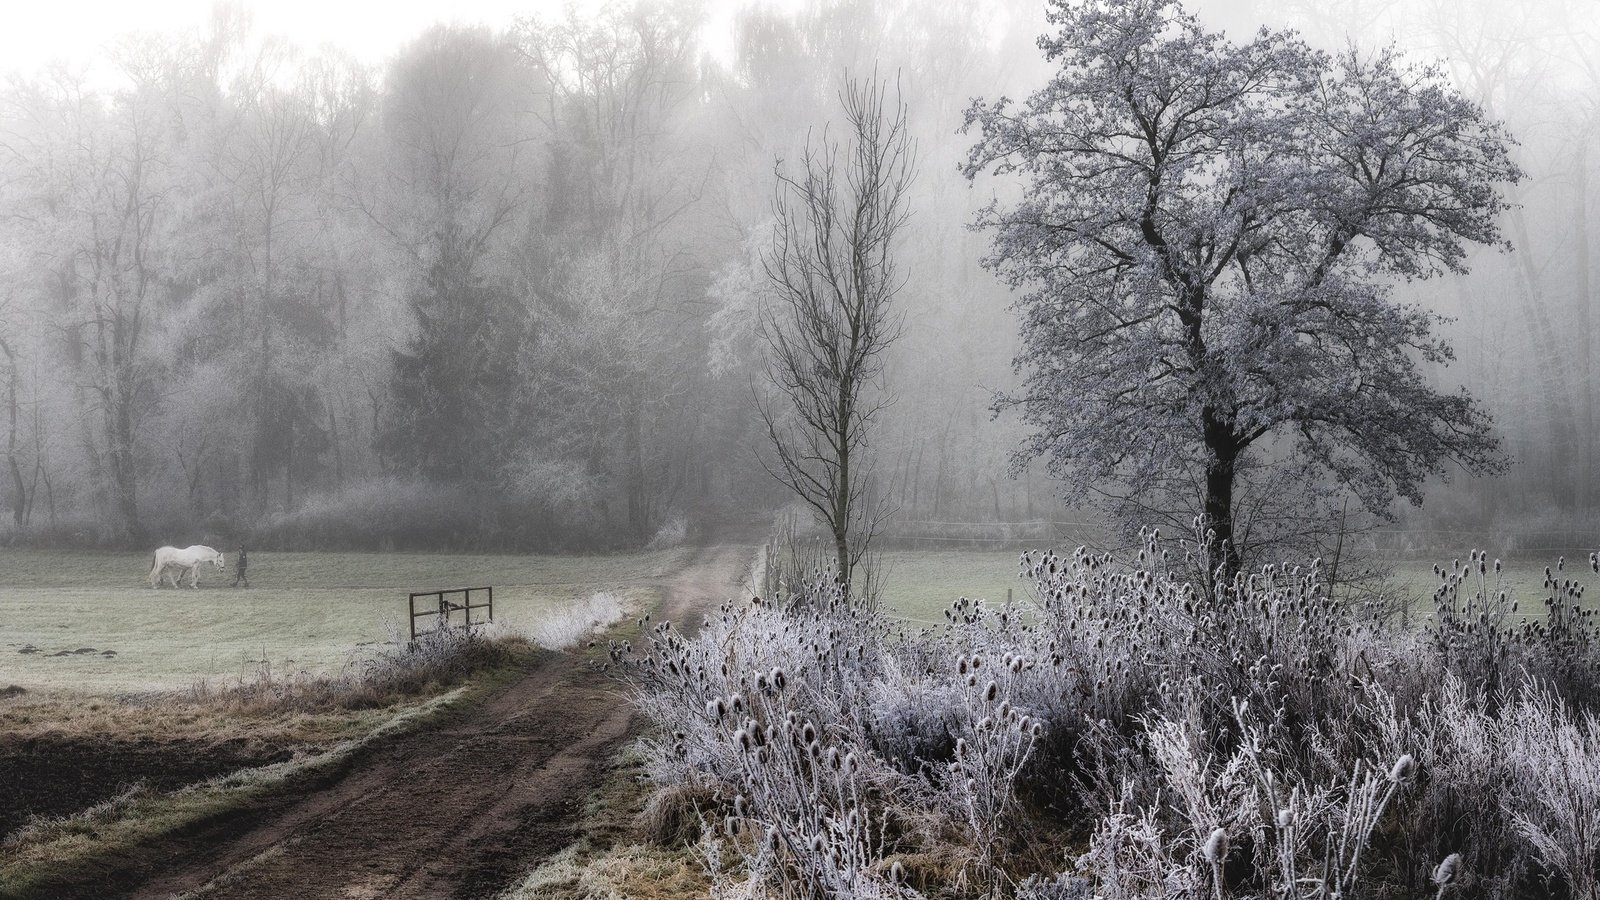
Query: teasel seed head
(1404, 768)
(1449, 870)
(1216, 849)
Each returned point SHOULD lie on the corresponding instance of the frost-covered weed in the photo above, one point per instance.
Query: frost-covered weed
(995, 739)
(565, 627)
(1241, 824)
(1478, 638)
(1264, 742)
(771, 706)
(1553, 793)
(672, 533)
(1057, 887)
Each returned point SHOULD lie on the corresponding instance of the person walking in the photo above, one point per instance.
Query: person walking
(240, 564)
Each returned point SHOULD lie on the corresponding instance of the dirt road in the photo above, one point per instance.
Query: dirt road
(458, 810)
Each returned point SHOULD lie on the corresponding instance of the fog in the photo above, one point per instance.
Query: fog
(499, 288)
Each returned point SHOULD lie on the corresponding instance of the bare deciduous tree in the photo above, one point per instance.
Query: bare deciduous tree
(830, 316)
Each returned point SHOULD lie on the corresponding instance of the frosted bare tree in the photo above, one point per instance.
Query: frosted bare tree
(830, 315)
(1206, 246)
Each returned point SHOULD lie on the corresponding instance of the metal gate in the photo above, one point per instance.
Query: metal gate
(439, 603)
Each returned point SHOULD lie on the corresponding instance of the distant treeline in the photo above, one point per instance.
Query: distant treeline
(498, 292)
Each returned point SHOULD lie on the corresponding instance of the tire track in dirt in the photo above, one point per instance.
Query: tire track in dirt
(458, 810)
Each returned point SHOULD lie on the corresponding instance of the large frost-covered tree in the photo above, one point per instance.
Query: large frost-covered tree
(1206, 244)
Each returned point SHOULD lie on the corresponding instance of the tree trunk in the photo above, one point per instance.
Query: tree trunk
(841, 549)
(841, 505)
(262, 463)
(638, 484)
(119, 399)
(338, 454)
(1580, 196)
(1222, 455)
(122, 468)
(288, 458)
(19, 506)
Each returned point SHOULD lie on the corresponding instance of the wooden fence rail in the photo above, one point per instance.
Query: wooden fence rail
(442, 606)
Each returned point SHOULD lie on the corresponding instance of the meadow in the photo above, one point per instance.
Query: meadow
(91, 622)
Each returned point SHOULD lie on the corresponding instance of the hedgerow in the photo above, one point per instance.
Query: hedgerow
(1123, 734)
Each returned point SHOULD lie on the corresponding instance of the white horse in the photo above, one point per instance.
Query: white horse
(188, 560)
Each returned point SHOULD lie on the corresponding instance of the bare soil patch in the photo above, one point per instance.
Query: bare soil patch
(457, 810)
(53, 775)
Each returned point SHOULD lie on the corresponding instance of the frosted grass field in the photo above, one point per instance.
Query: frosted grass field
(920, 584)
(60, 613)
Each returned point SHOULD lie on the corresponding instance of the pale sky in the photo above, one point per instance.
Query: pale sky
(36, 32)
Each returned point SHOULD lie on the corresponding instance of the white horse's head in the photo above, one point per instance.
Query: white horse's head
(220, 561)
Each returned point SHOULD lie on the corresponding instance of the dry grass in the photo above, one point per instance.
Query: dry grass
(172, 717)
(625, 873)
(436, 660)
(270, 708)
(673, 816)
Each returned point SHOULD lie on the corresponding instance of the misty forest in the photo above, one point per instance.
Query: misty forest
(829, 448)
(503, 291)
